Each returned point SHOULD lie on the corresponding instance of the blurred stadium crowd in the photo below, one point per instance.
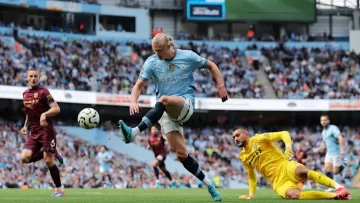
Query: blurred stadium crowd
(212, 147)
(314, 74)
(81, 168)
(111, 67)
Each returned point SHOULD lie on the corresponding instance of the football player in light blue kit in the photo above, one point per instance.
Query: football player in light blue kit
(104, 157)
(171, 70)
(334, 143)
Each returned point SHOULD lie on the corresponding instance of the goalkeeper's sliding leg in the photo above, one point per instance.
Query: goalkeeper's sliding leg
(303, 173)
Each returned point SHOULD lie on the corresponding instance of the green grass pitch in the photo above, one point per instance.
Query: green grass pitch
(143, 196)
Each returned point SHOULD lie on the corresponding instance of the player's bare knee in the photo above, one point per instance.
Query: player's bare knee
(25, 156)
(328, 169)
(181, 155)
(155, 163)
(302, 172)
(164, 100)
(25, 159)
(49, 159)
(49, 162)
(336, 171)
(293, 194)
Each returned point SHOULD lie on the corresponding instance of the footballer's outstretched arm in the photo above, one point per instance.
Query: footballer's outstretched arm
(26, 121)
(215, 72)
(53, 111)
(277, 136)
(24, 129)
(135, 94)
(252, 183)
(342, 144)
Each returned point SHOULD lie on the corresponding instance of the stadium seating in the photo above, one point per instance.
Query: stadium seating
(113, 68)
(211, 146)
(81, 169)
(214, 149)
(313, 74)
(106, 67)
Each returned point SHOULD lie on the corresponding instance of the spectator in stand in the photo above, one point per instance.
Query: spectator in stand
(314, 74)
(113, 67)
(212, 147)
(251, 33)
(157, 31)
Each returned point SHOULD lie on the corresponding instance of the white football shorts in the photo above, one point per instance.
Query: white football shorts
(336, 160)
(169, 124)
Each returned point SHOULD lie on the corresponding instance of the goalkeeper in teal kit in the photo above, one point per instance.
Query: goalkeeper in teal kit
(171, 70)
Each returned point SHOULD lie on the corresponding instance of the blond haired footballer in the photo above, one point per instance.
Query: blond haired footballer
(259, 152)
(171, 69)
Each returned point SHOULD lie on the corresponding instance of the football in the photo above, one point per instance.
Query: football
(88, 118)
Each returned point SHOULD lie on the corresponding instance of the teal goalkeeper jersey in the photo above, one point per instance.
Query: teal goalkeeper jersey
(173, 77)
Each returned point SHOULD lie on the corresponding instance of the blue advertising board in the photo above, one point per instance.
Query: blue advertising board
(205, 10)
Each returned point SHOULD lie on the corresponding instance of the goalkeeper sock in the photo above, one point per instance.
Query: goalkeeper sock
(193, 167)
(316, 195)
(322, 179)
(151, 117)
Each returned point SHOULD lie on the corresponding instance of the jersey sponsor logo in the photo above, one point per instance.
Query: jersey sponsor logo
(31, 101)
(172, 67)
(255, 156)
(155, 143)
(173, 79)
(36, 95)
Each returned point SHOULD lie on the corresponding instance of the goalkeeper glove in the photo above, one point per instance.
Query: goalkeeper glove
(246, 197)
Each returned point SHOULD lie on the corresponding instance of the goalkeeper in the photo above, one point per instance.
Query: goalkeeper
(278, 168)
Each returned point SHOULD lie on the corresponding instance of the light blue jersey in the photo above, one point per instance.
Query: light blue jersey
(330, 137)
(173, 77)
(103, 157)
